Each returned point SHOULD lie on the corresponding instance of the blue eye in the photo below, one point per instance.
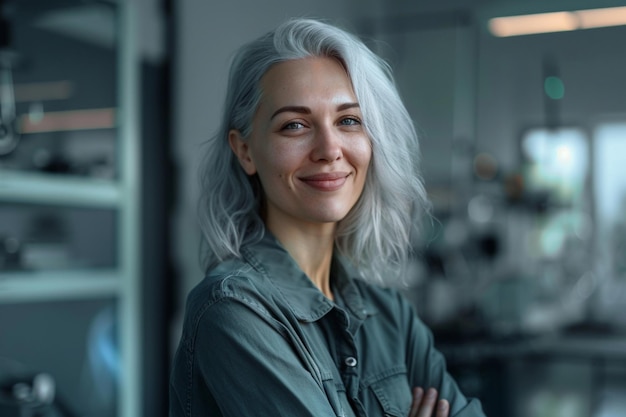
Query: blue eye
(293, 126)
(350, 121)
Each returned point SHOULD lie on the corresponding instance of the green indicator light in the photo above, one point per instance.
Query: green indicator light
(554, 88)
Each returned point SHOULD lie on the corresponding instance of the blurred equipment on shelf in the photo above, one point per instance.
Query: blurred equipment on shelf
(10, 253)
(31, 396)
(9, 136)
(53, 119)
(49, 238)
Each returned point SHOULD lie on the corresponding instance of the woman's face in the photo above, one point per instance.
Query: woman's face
(308, 145)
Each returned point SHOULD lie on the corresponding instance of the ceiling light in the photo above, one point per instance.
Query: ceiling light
(557, 21)
(533, 23)
(597, 18)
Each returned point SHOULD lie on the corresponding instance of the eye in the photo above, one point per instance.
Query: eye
(293, 126)
(350, 121)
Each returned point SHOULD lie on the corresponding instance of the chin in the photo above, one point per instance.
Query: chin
(329, 216)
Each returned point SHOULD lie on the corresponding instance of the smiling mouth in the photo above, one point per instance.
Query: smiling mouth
(326, 182)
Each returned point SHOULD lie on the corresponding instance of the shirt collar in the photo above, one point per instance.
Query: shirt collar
(346, 280)
(305, 300)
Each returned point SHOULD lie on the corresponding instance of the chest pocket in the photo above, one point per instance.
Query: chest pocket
(390, 394)
(336, 395)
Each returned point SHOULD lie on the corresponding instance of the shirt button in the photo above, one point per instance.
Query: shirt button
(350, 361)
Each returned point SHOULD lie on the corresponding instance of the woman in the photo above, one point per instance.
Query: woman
(310, 189)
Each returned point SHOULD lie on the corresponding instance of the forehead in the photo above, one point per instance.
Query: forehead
(306, 77)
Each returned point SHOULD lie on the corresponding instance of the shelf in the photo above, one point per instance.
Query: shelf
(38, 188)
(25, 286)
(115, 92)
(64, 121)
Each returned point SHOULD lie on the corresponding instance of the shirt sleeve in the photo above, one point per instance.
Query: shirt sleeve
(239, 361)
(427, 367)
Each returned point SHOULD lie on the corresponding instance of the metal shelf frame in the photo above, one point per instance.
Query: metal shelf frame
(123, 283)
(37, 188)
(130, 394)
(36, 286)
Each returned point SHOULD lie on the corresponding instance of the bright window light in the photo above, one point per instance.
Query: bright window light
(557, 161)
(609, 179)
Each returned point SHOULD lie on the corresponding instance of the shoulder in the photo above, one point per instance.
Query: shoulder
(233, 283)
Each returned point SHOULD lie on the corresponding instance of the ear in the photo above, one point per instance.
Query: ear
(242, 151)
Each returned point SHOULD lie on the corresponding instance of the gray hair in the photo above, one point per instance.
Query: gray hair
(376, 234)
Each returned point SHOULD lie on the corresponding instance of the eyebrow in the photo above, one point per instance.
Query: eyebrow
(306, 110)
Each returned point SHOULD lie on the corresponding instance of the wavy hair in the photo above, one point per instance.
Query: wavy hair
(376, 234)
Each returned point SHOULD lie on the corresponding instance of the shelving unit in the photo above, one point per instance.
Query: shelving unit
(122, 282)
(36, 188)
(19, 287)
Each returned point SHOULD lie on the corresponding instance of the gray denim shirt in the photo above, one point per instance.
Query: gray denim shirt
(260, 339)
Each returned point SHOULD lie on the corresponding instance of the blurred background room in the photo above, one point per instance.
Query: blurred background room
(520, 272)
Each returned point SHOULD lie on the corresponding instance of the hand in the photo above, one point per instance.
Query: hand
(424, 404)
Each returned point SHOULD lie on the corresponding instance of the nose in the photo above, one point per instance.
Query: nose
(327, 145)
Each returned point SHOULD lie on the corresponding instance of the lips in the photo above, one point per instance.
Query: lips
(329, 181)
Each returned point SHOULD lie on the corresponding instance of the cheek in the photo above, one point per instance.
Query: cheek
(362, 154)
(281, 164)
(278, 162)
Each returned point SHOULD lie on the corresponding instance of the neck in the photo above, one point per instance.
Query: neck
(311, 248)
